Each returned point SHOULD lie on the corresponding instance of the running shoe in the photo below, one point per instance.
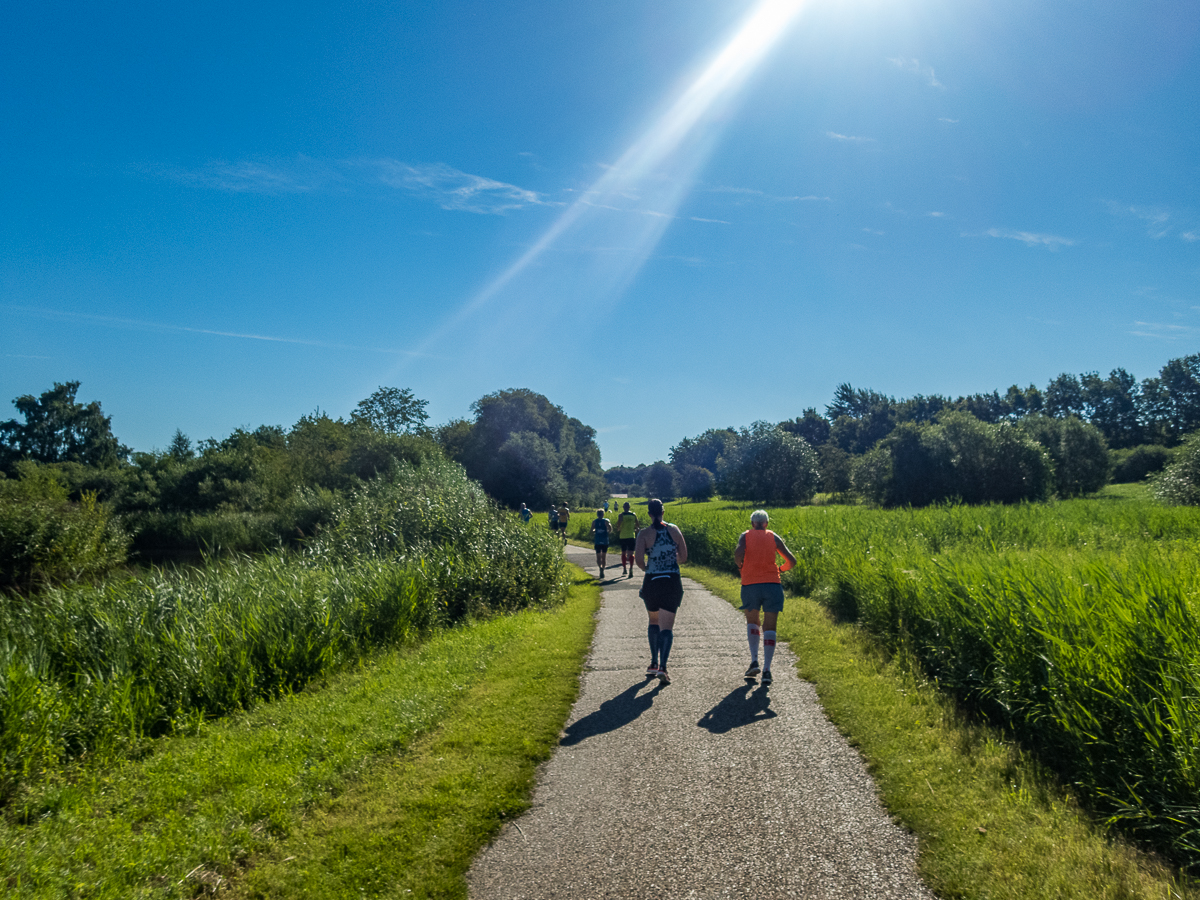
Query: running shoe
(754, 669)
(602, 571)
(652, 670)
(766, 676)
(663, 677)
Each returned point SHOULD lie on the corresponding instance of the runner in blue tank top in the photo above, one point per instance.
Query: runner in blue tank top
(659, 550)
(601, 529)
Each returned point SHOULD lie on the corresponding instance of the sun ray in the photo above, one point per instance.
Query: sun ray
(658, 169)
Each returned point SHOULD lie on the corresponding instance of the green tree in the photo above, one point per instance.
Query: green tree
(704, 450)
(392, 410)
(503, 414)
(527, 467)
(59, 429)
(696, 482)
(811, 425)
(769, 465)
(661, 481)
(958, 457)
(1077, 449)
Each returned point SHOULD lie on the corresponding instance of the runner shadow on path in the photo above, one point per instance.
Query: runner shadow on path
(612, 714)
(742, 706)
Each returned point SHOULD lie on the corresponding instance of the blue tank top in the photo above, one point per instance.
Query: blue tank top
(601, 526)
(661, 558)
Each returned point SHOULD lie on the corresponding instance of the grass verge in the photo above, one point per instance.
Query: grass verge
(990, 824)
(383, 780)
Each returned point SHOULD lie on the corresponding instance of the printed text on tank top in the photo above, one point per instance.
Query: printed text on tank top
(661, 559)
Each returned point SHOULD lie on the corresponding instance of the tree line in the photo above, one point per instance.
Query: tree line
(75, 501)
(1024, 444)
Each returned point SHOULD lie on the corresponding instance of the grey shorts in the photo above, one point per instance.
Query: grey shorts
(769, 596)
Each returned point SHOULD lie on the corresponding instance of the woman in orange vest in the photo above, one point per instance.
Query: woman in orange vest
(755, 556)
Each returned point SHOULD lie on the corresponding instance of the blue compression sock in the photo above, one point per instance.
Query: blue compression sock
(665, 638)
(652, 634)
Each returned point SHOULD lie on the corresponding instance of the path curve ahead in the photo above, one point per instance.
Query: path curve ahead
(705, 788)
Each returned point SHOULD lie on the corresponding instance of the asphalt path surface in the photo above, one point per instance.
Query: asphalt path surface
(705, 788)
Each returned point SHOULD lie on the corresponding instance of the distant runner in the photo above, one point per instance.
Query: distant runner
(526, 513)
(564, 516)
(659, 550)
(755, 556)
(627, 529)
(601, 529)
(554, 520)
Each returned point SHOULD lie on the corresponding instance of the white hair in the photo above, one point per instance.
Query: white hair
(759, 515)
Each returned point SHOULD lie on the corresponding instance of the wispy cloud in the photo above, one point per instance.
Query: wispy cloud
(1155, 217)
(714, 221)
(300, 175)
(914, 66)
(451, 188)
(163, 327)
(873, 231)
(440, 183)
(1030, 238)
(852, 138)
(948, 121)
(1163, 332)
(747, 195)
(936, 215)
(1190, 236)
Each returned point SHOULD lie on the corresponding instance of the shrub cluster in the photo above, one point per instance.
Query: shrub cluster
(1134, 464)
(960, 458)
(1179, 483)
(45, 539)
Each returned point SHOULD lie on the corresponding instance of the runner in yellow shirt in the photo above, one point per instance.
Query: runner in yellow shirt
(627, 530)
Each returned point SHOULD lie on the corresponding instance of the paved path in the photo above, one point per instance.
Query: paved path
(705, 788)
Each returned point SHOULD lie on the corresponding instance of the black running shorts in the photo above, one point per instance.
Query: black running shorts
(627, 544)
(662, 592)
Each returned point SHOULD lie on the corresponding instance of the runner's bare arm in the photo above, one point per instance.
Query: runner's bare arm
(680, 544)
(639, 550)
(739, 553)
(781, 547)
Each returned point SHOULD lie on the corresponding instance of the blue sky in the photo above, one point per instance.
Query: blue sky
(664, 215)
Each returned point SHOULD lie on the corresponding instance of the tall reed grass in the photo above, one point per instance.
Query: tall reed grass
(1072, 624)
(90, 672)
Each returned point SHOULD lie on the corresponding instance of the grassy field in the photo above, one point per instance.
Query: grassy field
(1071, 626)
(992, 824)
(384, 779)
(88, 674)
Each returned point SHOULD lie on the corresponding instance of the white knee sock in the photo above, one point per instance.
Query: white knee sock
(752, 633)
(768, 648)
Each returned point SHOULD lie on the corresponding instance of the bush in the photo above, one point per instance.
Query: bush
(1179, 483)
(1135, 463)
(47, 540)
